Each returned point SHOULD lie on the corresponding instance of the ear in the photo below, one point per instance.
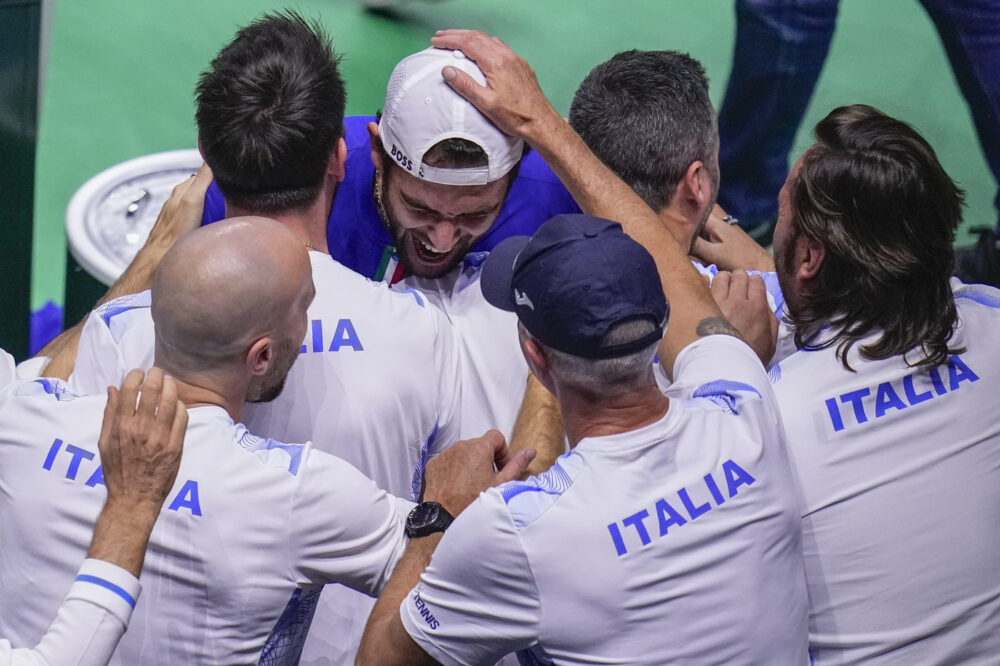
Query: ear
(259, 356)
(376, 142)
(812, 255)
(698, 185)
(201, 151)
(338, 161)
(537, 362)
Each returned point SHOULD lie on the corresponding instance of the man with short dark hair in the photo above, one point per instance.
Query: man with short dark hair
(377, 377)
(648, 116)
(589, 561)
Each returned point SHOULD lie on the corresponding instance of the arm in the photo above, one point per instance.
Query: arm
(140, 449)
(539, 425)
(180, 214)
(454, 479)
(515, 103)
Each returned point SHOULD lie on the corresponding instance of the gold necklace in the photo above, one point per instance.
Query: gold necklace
(309, 245)
(379, 205)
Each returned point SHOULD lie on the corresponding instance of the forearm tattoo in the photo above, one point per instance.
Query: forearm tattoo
(716, 326)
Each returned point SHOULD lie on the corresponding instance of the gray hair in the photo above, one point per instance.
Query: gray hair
(604, 376)
(647, 115)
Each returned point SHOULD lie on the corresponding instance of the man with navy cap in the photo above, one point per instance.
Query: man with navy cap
(668, 532)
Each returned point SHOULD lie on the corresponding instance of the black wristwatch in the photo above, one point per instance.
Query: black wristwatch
(427, 518)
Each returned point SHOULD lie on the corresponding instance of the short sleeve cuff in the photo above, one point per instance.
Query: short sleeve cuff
(108, 586)
(416, 626)
(720, 351)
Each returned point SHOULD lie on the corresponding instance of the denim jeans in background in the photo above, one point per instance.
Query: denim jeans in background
(781, 46)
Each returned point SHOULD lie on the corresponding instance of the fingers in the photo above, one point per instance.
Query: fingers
(496, 442)
(756, 290)
(178, 428)
(515, 467)
(194, 194)
(464, 85)
(149, 398)
(739, 282)
(166, 407)
(473, 43)
(130, 393)
(720, 286)
(108, 424)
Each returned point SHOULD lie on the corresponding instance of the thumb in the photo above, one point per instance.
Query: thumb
(515, 467)
(463, 84)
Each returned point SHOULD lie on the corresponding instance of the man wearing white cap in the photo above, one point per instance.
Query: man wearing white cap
(427, 190)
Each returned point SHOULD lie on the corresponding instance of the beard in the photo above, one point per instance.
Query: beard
(268, 386)
(418, 260)
(784, 265)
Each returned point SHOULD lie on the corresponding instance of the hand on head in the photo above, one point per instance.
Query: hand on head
(455, 477)
(142, 439)
(512, 97)
(183, 209)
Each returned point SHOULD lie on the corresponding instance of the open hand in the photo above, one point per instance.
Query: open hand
(142, 439)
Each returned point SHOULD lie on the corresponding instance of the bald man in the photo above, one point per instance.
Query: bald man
(249, 520)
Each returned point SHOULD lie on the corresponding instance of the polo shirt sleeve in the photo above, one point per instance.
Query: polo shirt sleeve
(89, 623)
(8, 371)
(117, 337)
(717, 361)
(342, 527)
(477, 601)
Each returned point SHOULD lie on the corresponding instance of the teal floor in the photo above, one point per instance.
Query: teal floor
(121, 75)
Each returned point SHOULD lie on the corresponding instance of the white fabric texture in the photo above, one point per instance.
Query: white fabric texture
(899, 469)
(677, 542)
(248, 522)
(89, 623)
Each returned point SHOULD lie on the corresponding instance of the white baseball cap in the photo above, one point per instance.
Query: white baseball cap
(421, 110)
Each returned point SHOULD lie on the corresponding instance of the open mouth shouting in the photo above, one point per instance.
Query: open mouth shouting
(419, 256)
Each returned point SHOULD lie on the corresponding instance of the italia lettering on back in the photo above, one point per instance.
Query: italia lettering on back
(868, 404)
(642, 527)
(76, 464)
(344, 335)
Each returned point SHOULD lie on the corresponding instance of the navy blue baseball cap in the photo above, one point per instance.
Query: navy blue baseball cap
(572, 281)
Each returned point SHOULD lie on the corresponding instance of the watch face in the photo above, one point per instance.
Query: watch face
(110, 216)
(424, 514)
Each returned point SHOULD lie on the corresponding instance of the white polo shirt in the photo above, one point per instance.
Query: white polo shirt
(899, 469)
(677, 542)
(377, 383)
(494, 372)
(248, 523)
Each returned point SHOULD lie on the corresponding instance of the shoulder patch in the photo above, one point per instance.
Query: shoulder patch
(119, 305)
(981, 294)
(56, 388)
(270, 451)
(728, 395)
(528, 500)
